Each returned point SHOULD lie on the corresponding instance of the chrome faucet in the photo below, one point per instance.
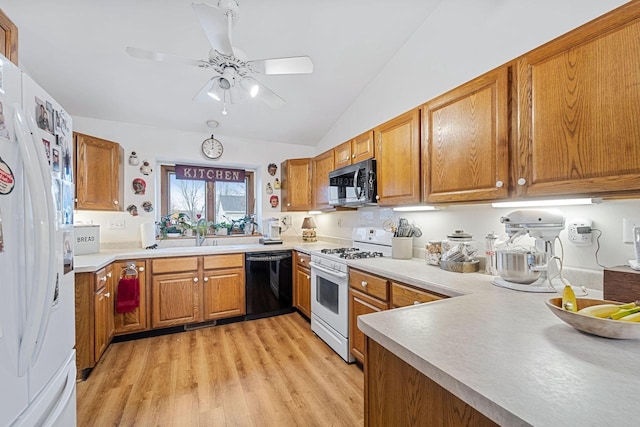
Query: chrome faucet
(200, 238)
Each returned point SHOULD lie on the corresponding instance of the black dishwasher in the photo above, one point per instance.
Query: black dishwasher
(269, 289)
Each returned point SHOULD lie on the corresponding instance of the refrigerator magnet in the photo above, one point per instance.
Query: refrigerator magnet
(269, 189)
(274, 201)
(133, 210)
(7, 179)
(147, 206)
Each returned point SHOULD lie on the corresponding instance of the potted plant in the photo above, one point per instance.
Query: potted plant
(222, 228)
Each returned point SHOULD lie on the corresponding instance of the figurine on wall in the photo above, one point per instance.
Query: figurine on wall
(145, 169)
(133, 210)
(133, 159)
(274, 201)
(269, 189)
(276, 184)
(139, 186)
(272, 169)
(147, 206)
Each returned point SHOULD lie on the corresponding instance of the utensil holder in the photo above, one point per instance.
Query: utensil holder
(402, 247)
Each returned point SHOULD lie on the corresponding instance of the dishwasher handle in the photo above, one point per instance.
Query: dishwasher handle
(267, 257)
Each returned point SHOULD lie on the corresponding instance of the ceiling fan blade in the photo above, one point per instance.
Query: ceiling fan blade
(262, 92)
(164, 57)
(215, 25)
(292, 65)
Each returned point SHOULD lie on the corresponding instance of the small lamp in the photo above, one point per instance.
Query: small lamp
(308, 230)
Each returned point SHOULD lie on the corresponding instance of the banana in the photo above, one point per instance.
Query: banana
(621, 314)
(600, 310)
(627, 305)
(635, 317)
(569, 302)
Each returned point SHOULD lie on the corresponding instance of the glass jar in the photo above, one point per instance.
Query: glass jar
(433, 252)
(459, 247)
(490, 254)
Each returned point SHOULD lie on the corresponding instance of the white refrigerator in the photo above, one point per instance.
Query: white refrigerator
(37, 308)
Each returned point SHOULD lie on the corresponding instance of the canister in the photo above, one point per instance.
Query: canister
(86, 239)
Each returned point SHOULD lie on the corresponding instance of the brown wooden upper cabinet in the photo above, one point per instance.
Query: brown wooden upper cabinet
(398, 159)
(321, 165)
(296, 184)
(578, 106)
(355, 150)
(8, 38)
(99, 173)
(466, 141)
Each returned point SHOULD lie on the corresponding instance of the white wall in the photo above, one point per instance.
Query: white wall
(171, 146)
(459, 41)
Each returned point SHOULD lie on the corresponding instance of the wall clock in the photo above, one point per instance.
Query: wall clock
(212, 148)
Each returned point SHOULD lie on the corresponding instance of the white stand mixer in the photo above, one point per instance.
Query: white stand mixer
(544, 226)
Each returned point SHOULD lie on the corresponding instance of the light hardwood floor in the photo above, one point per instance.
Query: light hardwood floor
(266, 372)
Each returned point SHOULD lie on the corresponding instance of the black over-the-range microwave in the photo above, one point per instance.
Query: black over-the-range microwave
(353, 185)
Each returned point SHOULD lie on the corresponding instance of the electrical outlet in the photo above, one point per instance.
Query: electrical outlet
(116, 223)
(577, 238)
(627, 228)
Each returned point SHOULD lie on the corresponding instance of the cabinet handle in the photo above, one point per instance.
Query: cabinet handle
(353, 156)
(195, 279)
(103, 278)
(363, 283)
(416, 302)
(288, 204)
(107, 295)
(141, 269)
(377, 197)
(302, 260)
(206, 279)
(308, 277)
(115, 202)
(522, 181)
(499, 184)
(75, 200)
(109, 275)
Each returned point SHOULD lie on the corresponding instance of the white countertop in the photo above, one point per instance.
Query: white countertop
(504, 352)
(93, 262)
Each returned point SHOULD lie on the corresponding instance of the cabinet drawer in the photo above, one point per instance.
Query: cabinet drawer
(369, 284)
(223, 261)
(402, 295)
(174, 265)
(100, 279)
(303, 259)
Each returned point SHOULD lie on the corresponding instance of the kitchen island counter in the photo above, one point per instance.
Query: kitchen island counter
(504, 352)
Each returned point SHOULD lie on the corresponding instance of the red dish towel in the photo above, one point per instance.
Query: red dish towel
(128, 298)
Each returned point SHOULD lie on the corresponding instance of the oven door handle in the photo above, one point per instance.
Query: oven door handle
(334, 273)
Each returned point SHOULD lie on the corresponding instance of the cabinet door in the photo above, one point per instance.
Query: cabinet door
(85, 298)
(223, 294)
(175, 299)
(342, 154)
(302, 290)
(579, 108)
(360, 304)
(362, 147)
(101, 319)
(296, 185)
(466, 141)
(136, 320)
(8, 38)
(322, 165)
(99, 179)
(398, 159)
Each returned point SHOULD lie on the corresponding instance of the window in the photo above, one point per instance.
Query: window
(216, 201)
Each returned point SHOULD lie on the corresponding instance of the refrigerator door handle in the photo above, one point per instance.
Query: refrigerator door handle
(42, 245)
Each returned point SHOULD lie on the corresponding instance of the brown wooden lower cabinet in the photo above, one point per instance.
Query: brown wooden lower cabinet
(359, 304)
(175, 299)
(302, 283)
(396, 394)
(224, 294)
(137, 320)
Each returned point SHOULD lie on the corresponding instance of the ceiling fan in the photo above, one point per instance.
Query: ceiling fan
(233, 80)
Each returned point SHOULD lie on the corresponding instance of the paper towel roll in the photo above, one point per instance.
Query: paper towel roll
(148, 234)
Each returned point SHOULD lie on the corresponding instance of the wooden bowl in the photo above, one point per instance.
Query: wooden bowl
(607, 328)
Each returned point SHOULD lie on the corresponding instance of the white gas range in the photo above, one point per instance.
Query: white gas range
(330, 285)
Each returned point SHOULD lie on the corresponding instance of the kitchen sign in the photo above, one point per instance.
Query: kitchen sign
(202, 173)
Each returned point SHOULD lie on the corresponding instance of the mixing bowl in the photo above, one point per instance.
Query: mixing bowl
(514, 265)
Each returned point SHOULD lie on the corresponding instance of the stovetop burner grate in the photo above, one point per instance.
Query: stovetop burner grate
(338, 251)
(360, 254)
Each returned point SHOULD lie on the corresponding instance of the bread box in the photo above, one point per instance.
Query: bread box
(86, 239)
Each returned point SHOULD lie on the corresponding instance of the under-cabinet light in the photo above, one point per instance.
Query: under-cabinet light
(538, 203)
(315, 212)
(415, 208)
